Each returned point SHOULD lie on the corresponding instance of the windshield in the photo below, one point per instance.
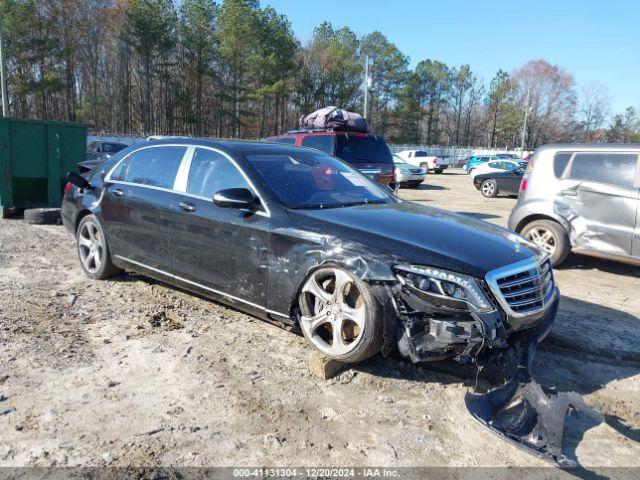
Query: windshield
(398, 161)
(307, 179)
(359, 149)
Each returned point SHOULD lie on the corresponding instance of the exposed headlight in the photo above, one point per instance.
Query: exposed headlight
(463, 290)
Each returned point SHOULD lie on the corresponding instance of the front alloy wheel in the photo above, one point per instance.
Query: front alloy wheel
(339, 317)
(489, 188)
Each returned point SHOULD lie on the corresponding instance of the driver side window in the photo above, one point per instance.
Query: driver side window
(211, 172)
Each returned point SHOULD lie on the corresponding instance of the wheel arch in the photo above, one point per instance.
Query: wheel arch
(81, 214)
(380, 288)
(541, 216)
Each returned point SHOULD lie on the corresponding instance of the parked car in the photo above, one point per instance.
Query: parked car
(508, 156)
(420, 158)
(506, 182)
(408, 175)
(496, 166)
(478, 160)
(367, 152)
(584, 198)
(296, 236)
(97, 152)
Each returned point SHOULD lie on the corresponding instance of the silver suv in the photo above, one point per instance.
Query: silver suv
(584, 198)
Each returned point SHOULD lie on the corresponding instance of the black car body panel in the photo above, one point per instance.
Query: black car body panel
(420, 234)
(282, 248)
(508, 182)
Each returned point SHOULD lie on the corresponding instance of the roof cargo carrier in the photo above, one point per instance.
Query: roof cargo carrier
(334, 118)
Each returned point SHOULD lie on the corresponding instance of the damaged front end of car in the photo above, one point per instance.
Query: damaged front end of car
(493, 323)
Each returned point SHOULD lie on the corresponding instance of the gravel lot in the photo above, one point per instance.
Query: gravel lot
(130, 372)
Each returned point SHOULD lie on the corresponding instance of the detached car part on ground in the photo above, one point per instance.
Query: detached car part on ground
(302, 239)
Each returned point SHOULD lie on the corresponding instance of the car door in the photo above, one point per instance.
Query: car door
(222, 251)
(509, 181)
(599, 198)
(137, 206)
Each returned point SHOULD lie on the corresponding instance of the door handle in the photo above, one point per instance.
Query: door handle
(118, 192)
(187, 206)
(569, 193)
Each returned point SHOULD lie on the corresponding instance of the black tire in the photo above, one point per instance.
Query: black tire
(42, 216)
(489, 188)
(373, 332)
(438, 170)
(560, 238)
(106, 268)
(7, 212)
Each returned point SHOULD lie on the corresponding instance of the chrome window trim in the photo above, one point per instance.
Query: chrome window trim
(107, 177)
(511, 269)
(182, 176)
(256, 192)
(199, 285)
(180, 183)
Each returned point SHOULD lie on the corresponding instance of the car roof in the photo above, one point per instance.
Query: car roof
(624, 147)
(230, 146)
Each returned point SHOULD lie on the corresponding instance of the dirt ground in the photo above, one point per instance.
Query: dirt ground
(130, 372)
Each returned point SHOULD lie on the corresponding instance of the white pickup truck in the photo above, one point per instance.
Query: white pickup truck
(420, 158)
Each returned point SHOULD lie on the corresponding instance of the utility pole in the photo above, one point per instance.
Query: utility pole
(526, 117)
(366, 85)
(3, 73)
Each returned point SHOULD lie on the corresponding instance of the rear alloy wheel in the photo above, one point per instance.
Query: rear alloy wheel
(340, 317)
(489, 188)
(550, 237)
(93, 251)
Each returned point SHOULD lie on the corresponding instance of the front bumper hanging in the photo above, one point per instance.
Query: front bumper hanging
(522, 413)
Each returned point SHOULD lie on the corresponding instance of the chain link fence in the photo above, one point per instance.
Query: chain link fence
(455, 156)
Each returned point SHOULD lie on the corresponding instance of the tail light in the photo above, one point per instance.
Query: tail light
(67, 188)
(523, 185)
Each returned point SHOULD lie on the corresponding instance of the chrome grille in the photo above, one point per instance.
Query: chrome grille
(523, 288)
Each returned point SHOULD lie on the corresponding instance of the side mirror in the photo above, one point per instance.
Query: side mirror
(78, 180)
(234, 198)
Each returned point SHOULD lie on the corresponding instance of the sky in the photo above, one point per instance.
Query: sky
(595, 41)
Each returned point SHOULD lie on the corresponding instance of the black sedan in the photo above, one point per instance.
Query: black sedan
(493, 184)
(300, 238)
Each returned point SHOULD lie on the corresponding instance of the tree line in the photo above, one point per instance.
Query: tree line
(235, 69)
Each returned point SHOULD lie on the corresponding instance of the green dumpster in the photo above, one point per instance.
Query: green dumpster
(35, 156)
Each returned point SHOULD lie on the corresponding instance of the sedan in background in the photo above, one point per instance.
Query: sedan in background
(407, 175)
(99, 151)
(499, 183)
(479, 160)
(495, 166)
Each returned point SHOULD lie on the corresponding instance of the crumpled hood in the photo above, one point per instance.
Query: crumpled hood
(422, 235)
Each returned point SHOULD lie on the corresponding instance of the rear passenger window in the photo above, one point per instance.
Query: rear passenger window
(211, 172)
(156, 166)
(612, 168)
(324, 143)
(560, 161)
